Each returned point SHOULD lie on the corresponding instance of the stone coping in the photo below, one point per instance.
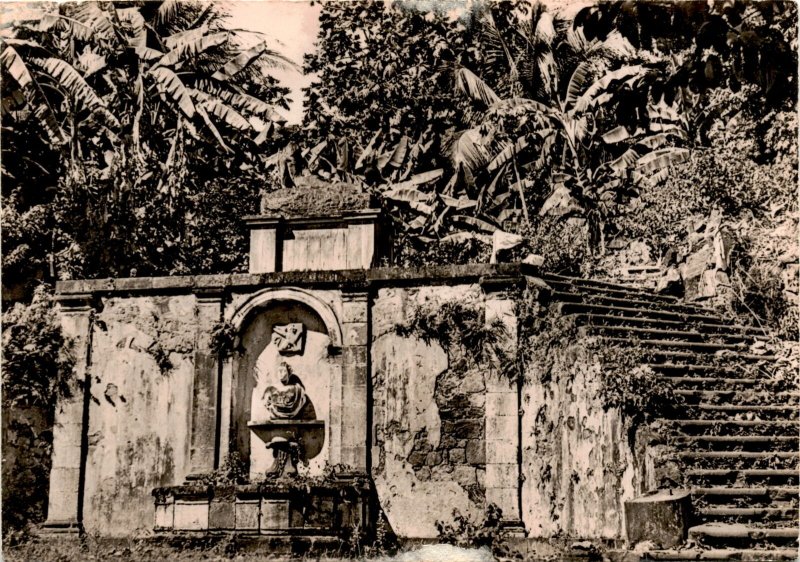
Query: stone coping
(331, 219)
(353, 279)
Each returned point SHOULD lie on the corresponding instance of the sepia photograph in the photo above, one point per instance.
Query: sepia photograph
(400, 280)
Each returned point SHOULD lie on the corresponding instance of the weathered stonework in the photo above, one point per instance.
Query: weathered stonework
(422, 421)
(578, 467)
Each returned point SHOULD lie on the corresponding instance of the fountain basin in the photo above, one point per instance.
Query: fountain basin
(309, 434)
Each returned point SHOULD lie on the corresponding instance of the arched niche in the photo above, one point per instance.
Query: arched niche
(315, 363)
(262, 298)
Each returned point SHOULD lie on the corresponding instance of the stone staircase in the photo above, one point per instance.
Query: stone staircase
(733, 429)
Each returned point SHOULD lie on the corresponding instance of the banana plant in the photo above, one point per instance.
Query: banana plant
(77, 66)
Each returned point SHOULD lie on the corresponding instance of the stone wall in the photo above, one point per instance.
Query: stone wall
(436, 429)
(139, 409)
(428, 418)
(578, 467)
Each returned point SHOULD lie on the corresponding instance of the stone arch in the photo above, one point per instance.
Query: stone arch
(262, 298)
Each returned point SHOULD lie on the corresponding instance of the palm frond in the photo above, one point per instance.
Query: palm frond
(468, 84)
(250, 56)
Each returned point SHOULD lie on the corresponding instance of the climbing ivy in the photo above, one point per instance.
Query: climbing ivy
(224, 339)
(627, 382)
(456, 325)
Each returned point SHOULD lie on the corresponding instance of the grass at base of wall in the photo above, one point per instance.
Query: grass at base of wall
(219, 549)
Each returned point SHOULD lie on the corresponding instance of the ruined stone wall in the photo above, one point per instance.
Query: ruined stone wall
(577, 463)
(443, 424)
(429, 443)
(140, 408)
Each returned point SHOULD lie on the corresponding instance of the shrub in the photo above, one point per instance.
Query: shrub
(37, 367)
(37, 358)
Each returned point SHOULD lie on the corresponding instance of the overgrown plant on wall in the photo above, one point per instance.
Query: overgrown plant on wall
(457, 324)
(37, 365)
(627, 382)
(464, 532)
(37, 357)
(224, 339)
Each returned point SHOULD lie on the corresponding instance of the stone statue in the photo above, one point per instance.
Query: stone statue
(288, 402)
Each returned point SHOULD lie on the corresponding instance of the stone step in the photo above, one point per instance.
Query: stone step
(738, 455)
(627, 311)
(568, 287)
(691, 357)
(630, 302)
(701, 327)
(736, 412)
(734, 460)
(743, 554)
(737, 397)
(714, 382)
(730, 369)
(753, 494)
(734, 427)
(697, 347)
(713, 477)
(737, 496)
(668, 335)
(739, 514)
(729, 534)
(745, 442)
(605, 285)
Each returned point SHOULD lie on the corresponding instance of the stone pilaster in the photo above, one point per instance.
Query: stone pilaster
(502, 412)
(354, 440)
(204, 452)
(67, 474)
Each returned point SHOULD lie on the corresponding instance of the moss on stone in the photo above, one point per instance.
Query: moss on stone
(316, 200)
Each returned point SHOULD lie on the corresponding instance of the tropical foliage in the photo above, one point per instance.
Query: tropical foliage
(512, 113)
(115, 114)
(508, 117)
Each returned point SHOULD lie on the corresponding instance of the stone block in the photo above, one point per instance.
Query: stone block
(465, 475)
(501, 404)
(505, 499)
(275, 516)
(433, 458)
(417, 458)
(355, 333)
(67, 456)
(457, 455)
(355, 355)
(501, 451)
(191, 515)
(354, 311)
(354, 416)
(321, 514)
(662, 518)
(355, 456)
(63, 496)
(133, 283)
(248, 514)
(464, 429)
(503, 427)
(297, 518)
(222, 515)
(503, 475)
(476, 451)
(354, 375)
(165, 513)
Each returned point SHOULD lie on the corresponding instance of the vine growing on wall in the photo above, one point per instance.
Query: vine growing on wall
(37, 358)
(627, 382)
(459, 326)
(224, 339)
